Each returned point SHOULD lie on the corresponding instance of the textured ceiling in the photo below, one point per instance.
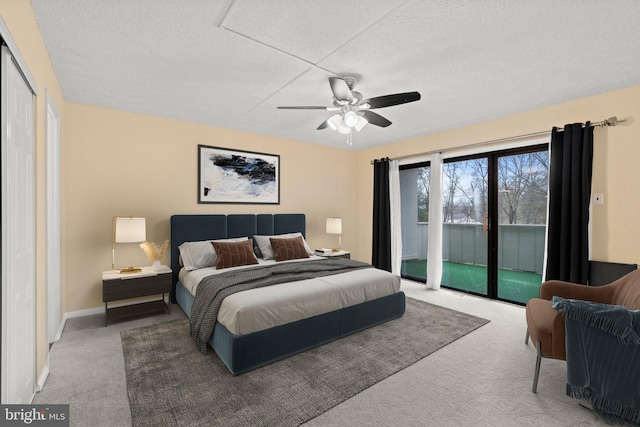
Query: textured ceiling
(230, 63)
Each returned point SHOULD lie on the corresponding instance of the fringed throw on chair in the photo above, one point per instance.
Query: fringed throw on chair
(603, 357)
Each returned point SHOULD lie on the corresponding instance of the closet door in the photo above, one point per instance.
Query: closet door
(18, 234)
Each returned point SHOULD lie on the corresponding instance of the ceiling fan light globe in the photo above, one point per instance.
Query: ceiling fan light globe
(334, 121)
(361, 123)
(344, 129)
(350, 119)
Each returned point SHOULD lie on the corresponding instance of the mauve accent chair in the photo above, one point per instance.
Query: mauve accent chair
(545, 326)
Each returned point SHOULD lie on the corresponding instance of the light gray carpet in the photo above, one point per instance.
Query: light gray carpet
(169, 382)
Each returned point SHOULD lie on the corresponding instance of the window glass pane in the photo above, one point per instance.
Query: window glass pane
(522, 216)
(464, 231)
(414, 194)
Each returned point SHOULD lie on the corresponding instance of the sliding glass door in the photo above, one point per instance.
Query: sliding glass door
(464, 228)
(494, 216)
(522, 218)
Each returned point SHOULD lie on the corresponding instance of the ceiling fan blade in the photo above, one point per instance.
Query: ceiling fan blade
(390, 100)
(375, 119)
(340, 89)
(304, 107)
(323, 125)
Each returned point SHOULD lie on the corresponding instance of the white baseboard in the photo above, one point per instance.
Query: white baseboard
(83, 313)
(43, 377)
(58, 334)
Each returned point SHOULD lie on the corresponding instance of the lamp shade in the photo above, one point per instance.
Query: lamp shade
(130, 230)
(334, 225)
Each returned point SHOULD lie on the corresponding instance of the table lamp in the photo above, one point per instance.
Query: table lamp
(334, 226)
(126, 229)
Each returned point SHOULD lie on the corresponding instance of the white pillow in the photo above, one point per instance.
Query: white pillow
(201, 254)
(265, 245)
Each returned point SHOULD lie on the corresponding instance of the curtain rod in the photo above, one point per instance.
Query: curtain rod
(611, 121)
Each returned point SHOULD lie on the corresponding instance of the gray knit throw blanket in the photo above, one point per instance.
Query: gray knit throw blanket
(213, 289)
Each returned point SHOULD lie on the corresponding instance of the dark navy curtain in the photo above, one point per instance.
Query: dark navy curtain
(381, 250)
(569, 195)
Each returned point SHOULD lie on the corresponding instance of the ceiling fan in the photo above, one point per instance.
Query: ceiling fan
(351, 110)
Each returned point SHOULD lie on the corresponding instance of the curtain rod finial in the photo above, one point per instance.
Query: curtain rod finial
(613, 121)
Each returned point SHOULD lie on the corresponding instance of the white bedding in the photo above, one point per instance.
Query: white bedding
(258, 309)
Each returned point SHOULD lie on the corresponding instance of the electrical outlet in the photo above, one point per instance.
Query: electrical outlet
(598, 198)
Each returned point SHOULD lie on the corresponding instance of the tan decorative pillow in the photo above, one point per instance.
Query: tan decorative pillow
(234, 254)
(286, 249)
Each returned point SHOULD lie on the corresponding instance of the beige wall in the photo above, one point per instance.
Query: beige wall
(120, 163)
(615, 172)
(20, 20)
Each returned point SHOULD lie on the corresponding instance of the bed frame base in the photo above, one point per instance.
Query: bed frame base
(242, 353)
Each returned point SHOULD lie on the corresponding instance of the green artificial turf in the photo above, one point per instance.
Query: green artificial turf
(518, 286)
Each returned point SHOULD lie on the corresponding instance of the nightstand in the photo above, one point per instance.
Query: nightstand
(117, 286)
(339, 254)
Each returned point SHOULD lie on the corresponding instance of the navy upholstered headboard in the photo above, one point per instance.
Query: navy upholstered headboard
(192, 228)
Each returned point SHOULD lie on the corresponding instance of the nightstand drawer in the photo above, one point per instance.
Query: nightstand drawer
(119, 289)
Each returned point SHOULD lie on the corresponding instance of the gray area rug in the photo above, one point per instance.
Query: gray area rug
(170, 382)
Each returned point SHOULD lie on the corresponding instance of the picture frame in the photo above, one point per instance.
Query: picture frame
(228, 175)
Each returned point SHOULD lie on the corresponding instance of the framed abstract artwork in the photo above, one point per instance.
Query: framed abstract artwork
(236, 176)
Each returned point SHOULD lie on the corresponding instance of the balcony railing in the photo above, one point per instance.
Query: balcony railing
(520, 246)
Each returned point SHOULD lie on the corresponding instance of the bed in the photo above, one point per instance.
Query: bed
(251, 343)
